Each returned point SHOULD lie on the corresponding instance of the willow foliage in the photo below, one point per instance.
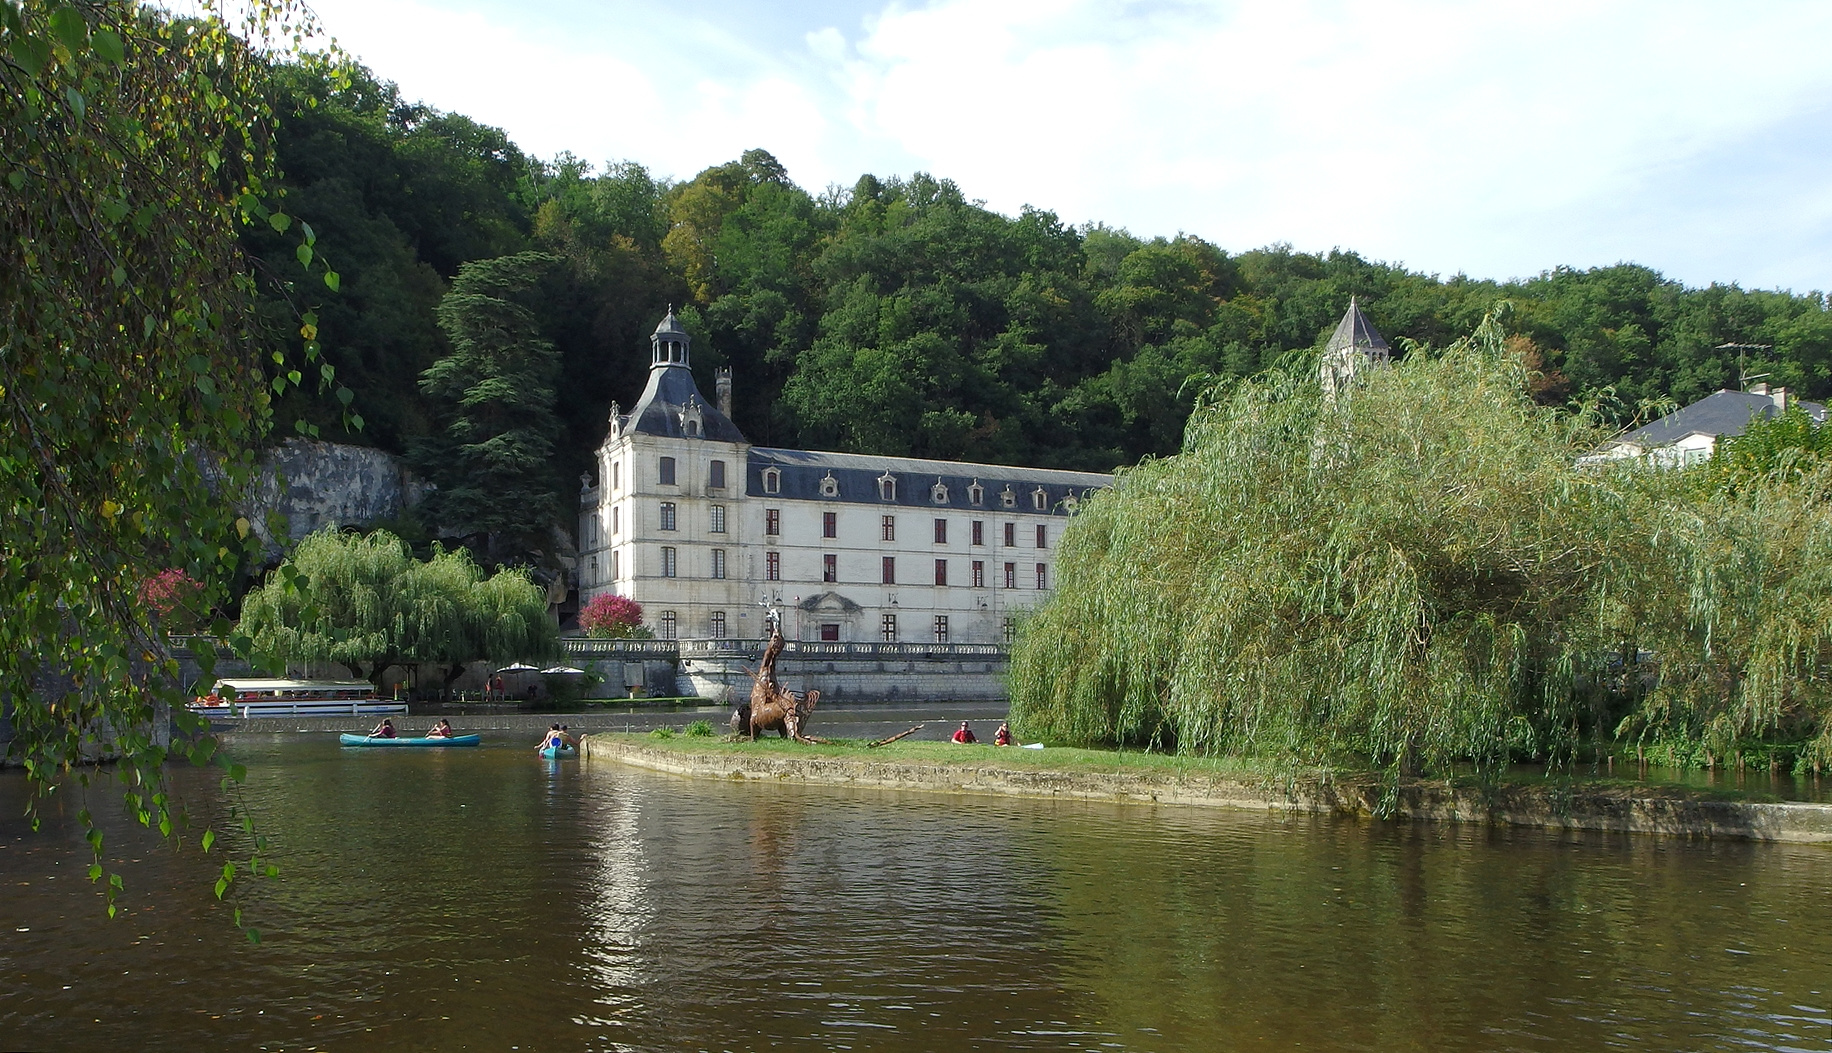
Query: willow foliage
(1417, 575)
(364, 602)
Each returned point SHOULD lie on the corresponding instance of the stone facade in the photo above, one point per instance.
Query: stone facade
(708, 532)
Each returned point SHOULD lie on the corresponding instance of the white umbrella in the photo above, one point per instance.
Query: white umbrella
(562, 670)
(519, 667)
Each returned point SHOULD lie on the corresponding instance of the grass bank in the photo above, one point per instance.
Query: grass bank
(1087, 774)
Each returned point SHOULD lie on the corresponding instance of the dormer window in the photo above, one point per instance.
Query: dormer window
(887, 486)
(830, 487)
(1007, 498)
(693, 417)
(976, 494)
(1040, 499)
(1071, 503)
(939, 492)
(772, 480)
(693, 429)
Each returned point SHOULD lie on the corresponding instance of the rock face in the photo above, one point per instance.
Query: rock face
(317, 483)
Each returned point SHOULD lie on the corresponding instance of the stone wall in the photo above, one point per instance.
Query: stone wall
(314, 484)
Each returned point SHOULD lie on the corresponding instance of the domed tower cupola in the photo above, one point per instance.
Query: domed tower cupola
(668, 347)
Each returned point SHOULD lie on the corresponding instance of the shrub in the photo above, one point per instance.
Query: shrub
(662, 733)
(610, 616)
(700, 729)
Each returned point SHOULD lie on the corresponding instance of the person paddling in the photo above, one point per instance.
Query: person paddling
(441, 730)
(555, 739)
(384, 730)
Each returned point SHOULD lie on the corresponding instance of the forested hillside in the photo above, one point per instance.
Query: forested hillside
(897, 315)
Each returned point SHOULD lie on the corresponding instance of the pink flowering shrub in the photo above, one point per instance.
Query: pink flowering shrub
(609, 615)
(173, 595)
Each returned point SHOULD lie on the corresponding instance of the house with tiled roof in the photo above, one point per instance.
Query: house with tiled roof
(1690, 434)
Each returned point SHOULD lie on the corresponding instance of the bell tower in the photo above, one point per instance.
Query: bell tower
(668, 347)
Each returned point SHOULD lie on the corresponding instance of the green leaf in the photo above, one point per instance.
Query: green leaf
(332, 280)
(209, 839)
(279, 221)
(78, 105)
(304, 252)
(356, 421)
(345, 395)
(311, 238)
(31, 52)
(68, 26)
(107, 44)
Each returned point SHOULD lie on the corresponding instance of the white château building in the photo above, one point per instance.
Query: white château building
(706, 531)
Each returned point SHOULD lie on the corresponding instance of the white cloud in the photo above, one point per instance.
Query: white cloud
(1497, 139)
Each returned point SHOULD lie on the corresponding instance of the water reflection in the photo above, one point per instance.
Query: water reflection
(487, 899)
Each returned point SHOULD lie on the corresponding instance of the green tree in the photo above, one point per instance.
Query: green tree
(133, 379)
(493, 461)
(364, 602)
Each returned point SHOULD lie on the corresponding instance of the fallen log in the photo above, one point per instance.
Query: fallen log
(893, 738)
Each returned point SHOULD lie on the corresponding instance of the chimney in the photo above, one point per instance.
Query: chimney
(1779, 395)
(722, 388)
(1758, 388)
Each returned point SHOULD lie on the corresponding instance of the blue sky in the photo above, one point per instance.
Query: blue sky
(1493, 139)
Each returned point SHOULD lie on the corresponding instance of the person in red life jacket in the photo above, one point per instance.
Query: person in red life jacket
(384, 730)
(1002, 737)
(964, 734)
(441, 730)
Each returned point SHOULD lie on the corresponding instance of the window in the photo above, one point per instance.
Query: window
(1011, 535)
(667, 471)
(887, 529)
(669, 520)
(616, 520)
(715, 475)
(890, 570)
(772, 521)
(1040, 499)
(941, 531)
(830, 632)
(616, 566)
(1011, 575)
(830, 567)
(979, 532)
(887, 487)
(1011, 629)
(830, 524)
(772, 566)
(616, 476)
(939, 492)
(1008, 499)
(1043, 535)
(693, 429)
(716, 625)
(1043, 576)
(941, 628)
(830, 487)
(772, 480)
(941, 572)
(715, 521)
(890, 628)
(669, 562)
(718, 563)
(668, 624)
(979, 574)
(594, 576)
(976, 494)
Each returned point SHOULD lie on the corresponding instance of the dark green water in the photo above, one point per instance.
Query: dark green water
(485, 899)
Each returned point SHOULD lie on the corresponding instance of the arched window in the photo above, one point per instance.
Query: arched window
(772, 480)
(1040, 499)
(976, 493)
(887, 487)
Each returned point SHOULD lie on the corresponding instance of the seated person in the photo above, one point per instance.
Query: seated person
(1002, 737)
(441, 730)
(553, 739)
(965, 734)
(384, 730)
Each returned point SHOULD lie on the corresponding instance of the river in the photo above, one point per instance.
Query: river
(485, 899)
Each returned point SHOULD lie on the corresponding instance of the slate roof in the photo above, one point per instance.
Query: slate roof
(1723, 413)
(858, 475)
(1355, 331)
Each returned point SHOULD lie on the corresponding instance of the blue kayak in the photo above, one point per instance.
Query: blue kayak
(376, 740)
(553, 753)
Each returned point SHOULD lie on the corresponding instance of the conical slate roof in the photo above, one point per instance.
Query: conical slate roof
(670, 326)
(1357, 333)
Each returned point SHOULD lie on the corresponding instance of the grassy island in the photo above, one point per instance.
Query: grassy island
(1112, 775)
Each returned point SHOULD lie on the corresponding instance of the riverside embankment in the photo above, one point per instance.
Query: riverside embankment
(1603, 805)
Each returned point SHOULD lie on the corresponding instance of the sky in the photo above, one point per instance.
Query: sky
(1492, 139)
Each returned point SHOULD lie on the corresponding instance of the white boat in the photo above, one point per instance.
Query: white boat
(261, 697)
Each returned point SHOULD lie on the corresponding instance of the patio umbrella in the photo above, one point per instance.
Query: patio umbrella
(519, 667)
(562, 670)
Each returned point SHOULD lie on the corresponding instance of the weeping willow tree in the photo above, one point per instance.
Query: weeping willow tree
(1415, 575)
(364, 602)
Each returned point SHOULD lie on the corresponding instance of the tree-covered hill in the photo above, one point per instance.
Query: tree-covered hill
(899, 316)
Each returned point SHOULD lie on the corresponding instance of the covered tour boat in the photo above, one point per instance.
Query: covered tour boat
(260, 697)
